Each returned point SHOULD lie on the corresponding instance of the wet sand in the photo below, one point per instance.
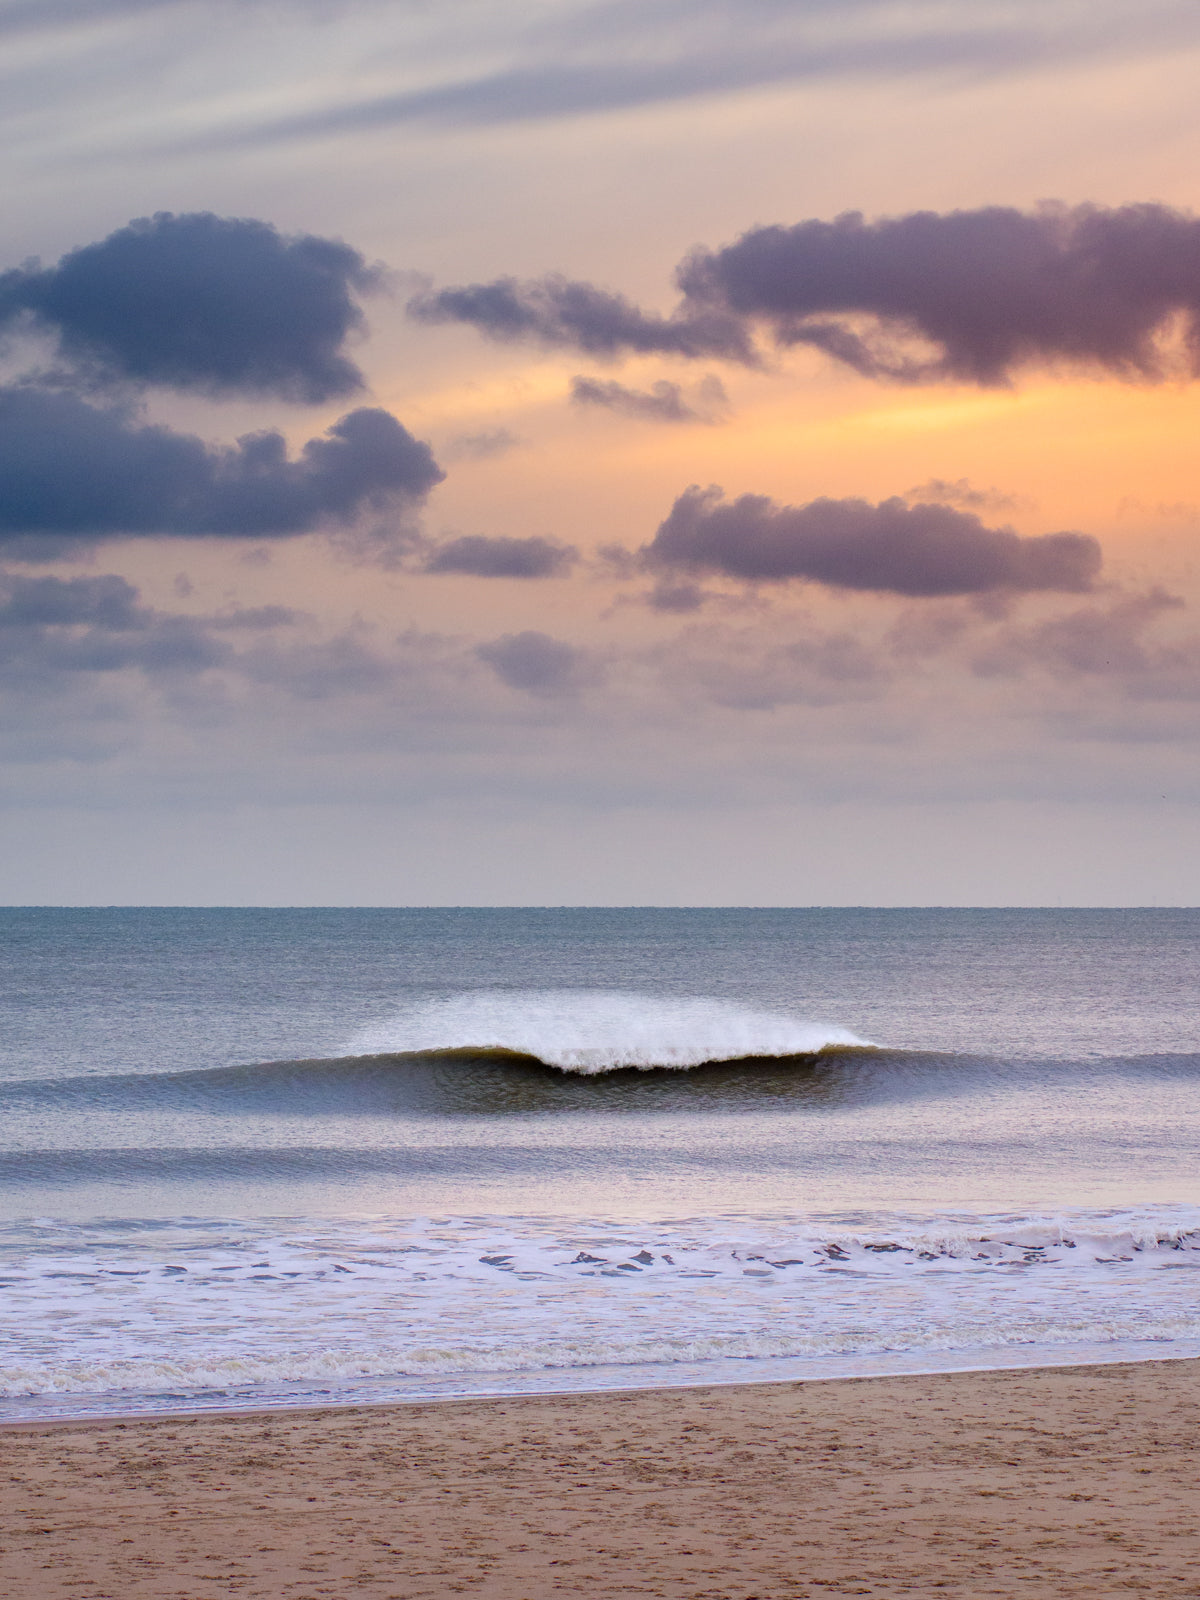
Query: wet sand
(1070, 1482)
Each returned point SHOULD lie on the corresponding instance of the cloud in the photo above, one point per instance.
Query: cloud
(481, 446)
(989, 290)
(558, 311)
(743, 670)
(891, 548)
(962, 296)
(962, 493)
(1103, 642)
(615, 56)
(55, 626)
(482, 557)
(61, 638)
(254, 618)
(537, 664)
(1126, 646)
(663, 402)
(73, 473)
(320, 669)
(30, 16)
(679, 595)
(108, 602)
(112, 604)
(222, 305)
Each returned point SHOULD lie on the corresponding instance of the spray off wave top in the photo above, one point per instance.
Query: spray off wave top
(595, 1031)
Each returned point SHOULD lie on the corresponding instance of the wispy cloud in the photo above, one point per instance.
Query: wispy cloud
(613, 56)
(664, 401)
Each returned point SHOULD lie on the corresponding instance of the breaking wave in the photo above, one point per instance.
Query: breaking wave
(595, 1031)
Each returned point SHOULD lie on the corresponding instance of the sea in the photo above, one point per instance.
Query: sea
(256, 1158)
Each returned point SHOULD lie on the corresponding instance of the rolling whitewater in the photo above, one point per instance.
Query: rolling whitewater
(272, 1157)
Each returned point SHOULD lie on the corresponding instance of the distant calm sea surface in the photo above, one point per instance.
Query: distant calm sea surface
(278, 1157)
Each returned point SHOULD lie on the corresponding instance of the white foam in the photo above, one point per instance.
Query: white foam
(592, 1031)
(213, 1311)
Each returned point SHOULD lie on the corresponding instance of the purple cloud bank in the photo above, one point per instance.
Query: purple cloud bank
(984, 292)
(892, 548)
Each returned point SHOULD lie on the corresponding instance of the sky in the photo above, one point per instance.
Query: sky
(599, 452)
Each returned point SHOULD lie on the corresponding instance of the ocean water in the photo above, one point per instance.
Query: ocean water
(253, 1157)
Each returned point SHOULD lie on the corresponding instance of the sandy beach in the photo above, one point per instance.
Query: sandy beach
(1076, 1481)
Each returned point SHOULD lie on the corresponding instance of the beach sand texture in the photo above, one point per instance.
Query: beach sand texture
(1077, 1481)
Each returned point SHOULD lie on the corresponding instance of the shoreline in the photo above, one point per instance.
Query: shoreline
(849, 1369)
(1040, 1484)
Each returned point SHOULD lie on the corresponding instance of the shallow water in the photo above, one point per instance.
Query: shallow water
(279, 1154)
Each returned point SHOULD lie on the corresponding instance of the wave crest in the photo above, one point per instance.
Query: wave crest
(596, 1031)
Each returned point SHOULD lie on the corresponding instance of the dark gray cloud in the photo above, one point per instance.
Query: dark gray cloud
(217, 304)
(74, 473)
(891, 548)
(964, 296)
(107, 602)
(536, 664)
(662, 402)
(562, 312)
(479, 556)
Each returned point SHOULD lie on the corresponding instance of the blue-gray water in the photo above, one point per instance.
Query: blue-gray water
(284, 1154)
